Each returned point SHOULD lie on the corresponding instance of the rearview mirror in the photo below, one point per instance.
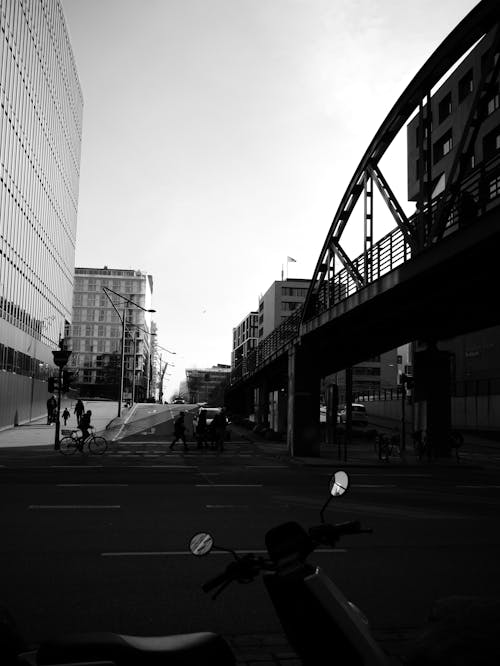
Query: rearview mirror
(201, 544)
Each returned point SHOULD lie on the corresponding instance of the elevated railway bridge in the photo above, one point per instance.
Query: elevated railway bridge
(434, 276)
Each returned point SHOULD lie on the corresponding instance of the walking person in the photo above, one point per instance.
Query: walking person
(79, 410)
(65, 415)
(179, 431)
(51, 409)
(201, 430)
(219, 425)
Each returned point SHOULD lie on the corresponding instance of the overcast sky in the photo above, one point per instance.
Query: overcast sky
(220, 135)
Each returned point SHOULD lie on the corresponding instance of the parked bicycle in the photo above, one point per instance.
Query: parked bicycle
(76, 442)
(387, 445)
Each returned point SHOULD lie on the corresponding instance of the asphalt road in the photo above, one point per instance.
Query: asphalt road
(101, 542)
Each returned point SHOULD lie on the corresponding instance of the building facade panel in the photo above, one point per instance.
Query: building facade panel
(41, 107)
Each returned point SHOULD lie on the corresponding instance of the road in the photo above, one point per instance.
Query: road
(101, 543)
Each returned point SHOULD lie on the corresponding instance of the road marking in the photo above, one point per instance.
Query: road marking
(193, 467)
(375, 485)
(160, 553)
(228, 485)
(480, 486)
(226, 506)
(74, 506)
(85, 485)
(75, 466)
(266, 466)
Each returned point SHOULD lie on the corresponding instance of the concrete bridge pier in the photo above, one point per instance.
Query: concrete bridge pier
(432, 398)
(303, 429)
(262, 402)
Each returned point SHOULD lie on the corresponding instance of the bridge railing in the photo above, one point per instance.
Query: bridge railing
(480, 191)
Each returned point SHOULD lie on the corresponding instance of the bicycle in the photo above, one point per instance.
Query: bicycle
(69, 445)
(386, 444)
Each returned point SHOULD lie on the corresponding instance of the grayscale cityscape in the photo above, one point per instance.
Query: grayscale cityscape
(249, 332)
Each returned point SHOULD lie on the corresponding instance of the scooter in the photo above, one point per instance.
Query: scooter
(317, 619)
(324, 627)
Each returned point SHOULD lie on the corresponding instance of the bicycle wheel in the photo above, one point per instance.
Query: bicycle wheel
(68, 446)
(98, 445)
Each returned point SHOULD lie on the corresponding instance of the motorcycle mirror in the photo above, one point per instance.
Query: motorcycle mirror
(339, 483)
(201, 544)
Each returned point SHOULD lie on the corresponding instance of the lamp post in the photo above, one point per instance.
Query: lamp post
(162, 372)
(61, 357)
(122, 319)
(136, 337)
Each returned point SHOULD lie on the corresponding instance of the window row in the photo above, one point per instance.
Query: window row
(12, 360)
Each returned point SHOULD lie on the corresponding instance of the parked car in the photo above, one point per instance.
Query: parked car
(359, 415)
(179, 401)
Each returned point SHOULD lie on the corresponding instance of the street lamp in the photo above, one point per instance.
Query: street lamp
(122, 319)
(136, 336)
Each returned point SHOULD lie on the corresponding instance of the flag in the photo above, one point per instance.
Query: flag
(290, 259)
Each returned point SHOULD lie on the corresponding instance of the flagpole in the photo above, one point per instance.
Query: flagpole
(282, 272)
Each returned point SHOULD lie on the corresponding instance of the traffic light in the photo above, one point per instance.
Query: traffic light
(53, 384)
(409, 381)
(67, 378)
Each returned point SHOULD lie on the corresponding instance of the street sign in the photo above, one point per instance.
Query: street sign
(61, 357)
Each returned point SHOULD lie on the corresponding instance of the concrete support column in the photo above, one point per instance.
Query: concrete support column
(303, 430)
(432, 398)
(263, 403)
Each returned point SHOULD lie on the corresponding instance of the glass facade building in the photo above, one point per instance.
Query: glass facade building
(41, 108)
(96, 333)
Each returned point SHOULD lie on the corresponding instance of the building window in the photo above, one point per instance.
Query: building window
(491, 143)
(443, 146)
(444, 108)
(100, 331)
(493, 103)
(92, 284)
(465, 86)
(494, 188)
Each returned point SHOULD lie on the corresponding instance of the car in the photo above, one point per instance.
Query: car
(179, 401)
(359, 415)
(211, 412)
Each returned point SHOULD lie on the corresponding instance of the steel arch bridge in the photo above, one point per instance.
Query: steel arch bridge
(410, 272)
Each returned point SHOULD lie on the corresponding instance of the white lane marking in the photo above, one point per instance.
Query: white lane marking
(75, 466)
(228, 485)
(74, 506)
(125, 422)
(266, 466)
(88, 485)
(480, 486)
(226, 506)
(153, 553)
(375, 485)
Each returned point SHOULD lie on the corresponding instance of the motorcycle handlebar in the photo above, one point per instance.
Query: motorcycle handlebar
(215, 582)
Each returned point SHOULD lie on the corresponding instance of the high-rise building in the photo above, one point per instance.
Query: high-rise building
(206, 384)
(279, 301)
(245, 338)
(41, 107)
(103, 299)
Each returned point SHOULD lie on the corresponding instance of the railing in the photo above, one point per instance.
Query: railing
(479, 193)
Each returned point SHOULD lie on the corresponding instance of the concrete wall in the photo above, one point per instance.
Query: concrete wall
(16, 404)
(474, 413)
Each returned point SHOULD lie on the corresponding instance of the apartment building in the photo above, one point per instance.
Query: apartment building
(103, 299)
(245, 338)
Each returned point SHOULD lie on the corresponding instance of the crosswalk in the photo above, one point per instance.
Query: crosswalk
(153, 449)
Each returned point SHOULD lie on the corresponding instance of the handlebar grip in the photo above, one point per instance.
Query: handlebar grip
(215, 582)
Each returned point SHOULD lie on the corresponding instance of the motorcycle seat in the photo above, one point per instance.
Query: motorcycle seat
(202, 648)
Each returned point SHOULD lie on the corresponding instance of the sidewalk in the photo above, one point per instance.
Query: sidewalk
(38, 433)
(477, 451)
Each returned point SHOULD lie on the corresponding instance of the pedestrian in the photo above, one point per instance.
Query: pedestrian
(219, 424)
(179, 431)
(85, 424)
(79, 410)
(65, 415)
(201, 430)
(51, 408)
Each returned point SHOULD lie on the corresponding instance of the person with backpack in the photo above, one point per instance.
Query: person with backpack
(179, 431)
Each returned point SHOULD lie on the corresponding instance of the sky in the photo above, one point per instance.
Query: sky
(219, 137)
